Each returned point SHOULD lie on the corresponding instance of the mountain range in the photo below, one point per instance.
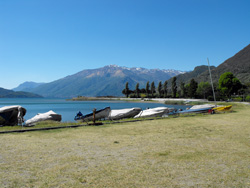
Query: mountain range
(109, 80)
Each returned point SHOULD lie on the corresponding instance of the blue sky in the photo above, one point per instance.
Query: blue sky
(45, 40)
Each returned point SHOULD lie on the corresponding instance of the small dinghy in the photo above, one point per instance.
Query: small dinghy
(153, 112)
(222, 108)
(99, 114)
(12, 115)
(202, 106)
(124, 113)
(198, 110)
(50, 115)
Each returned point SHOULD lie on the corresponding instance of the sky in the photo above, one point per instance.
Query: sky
(45, 40)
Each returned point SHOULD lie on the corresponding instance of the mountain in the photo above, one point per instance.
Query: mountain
(239, 65)
(109, 80)
(186, 77)
(5, 93)
(27, 86)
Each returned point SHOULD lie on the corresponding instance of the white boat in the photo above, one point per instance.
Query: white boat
(153, 112)
(124, 113)
(50, 115)
(12, 115)
(99, 114)
(202, 106)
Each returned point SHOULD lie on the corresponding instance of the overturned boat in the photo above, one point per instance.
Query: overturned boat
(198, 110)
(99, 114)
(153, 112)
(50, 115)
(12, 115)
(124, 113)
(202, 106)
(222, 108)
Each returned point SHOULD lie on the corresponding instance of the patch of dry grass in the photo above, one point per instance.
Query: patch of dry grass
(192, 151)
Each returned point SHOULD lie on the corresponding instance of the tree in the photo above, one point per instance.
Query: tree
(204, 89)
(152, 89)
(165, 88)
(183, 89)
(229, 84)
(159, 88)
(147, 89)
(137, 90)
(192, 88)
(174, 87)
(126, 91)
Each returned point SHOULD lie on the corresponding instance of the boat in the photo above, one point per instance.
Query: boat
(99, 114)
(50, 115)
(203, 106)
(222, 108)
(198, 110)
(124, 113)
(12, 115)
(153, 112)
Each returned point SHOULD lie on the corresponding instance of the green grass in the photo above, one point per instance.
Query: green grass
(187, 151)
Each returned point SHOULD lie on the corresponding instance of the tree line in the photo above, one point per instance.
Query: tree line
(227, 86)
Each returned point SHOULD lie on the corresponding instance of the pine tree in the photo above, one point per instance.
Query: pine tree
(152, 89)
(174, 87)
(165, 89)
(159, 88)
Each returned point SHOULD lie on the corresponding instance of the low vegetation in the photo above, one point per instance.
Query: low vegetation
(188, 151)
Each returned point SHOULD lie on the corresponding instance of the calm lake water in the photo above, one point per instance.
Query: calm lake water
(68, 109)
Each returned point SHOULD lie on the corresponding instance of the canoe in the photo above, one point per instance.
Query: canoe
(124, 113)
(153, 112)
(50, 115)
(12, 115)
(99, 114)
(222, 108)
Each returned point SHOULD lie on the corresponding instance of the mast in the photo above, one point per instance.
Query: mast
(211, 80)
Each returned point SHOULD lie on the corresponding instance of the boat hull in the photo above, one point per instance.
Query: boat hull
(124, 113)
(154, 112)
(10, 115)
(50, 115)
(100, 114)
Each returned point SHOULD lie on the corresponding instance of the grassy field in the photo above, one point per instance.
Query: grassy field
(190, 151)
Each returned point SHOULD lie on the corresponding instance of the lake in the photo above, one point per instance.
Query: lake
(68, 109)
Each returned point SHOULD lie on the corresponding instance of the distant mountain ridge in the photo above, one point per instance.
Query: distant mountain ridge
(239, 65)
(27, 86)
(6, 93)
(108, 80)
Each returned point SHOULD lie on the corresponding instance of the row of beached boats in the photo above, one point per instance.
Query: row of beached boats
(13, 115)
(118, 114)
(109, 114)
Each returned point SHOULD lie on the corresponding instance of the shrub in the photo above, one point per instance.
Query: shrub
(247, 98)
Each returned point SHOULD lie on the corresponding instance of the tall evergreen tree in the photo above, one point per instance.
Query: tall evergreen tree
(137, 90)
(126, 91)
(183, 90)
(192, 88)
(174, 87)
(165, 89)
(147, 89)
(152, 89)
(159, 88)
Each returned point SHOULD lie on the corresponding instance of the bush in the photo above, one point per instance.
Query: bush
(247, 98)
(237, 99)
